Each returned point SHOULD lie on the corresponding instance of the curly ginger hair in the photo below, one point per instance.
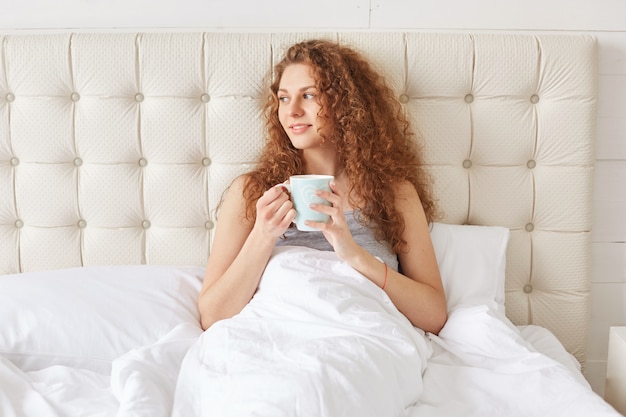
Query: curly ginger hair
(370, 132)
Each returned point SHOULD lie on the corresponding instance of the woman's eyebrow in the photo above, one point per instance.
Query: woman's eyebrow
(301, 89)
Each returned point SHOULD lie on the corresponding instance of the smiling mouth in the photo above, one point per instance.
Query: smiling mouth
(299, 127)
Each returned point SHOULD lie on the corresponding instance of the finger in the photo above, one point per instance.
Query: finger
(276, 193)
(277, 218)
(278, 210)
(285, 212)
(332, 211)
(268, 196)
(330, 225)
(316, 225)
(332, 198)
(288, 218)
(270, 204)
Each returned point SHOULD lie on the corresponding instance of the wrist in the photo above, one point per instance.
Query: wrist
(371, 267)
(260, 239)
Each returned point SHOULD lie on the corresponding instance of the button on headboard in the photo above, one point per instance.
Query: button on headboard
(115, 148)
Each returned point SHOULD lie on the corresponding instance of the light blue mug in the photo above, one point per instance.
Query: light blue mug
(302, 189)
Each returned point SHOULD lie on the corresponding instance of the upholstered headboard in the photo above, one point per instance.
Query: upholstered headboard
(115, 148)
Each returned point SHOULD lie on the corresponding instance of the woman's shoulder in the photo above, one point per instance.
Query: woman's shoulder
(251, 179)
(240, 180)
(405, 189)
(233, 201)
(239, 184)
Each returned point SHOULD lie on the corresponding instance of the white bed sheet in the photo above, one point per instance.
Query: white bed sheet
(479, 365)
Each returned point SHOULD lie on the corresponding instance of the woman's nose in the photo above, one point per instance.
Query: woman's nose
(295, 108)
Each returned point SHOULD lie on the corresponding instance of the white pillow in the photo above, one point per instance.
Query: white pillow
(472, 262)
(86, 317)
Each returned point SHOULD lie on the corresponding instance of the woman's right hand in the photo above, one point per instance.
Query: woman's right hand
(274, 212)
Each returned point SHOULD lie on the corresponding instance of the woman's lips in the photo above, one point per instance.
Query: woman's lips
(299, 127)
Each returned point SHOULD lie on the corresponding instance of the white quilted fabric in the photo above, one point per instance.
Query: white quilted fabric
(116, 148)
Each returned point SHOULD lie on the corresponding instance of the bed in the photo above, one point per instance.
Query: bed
(115, 149)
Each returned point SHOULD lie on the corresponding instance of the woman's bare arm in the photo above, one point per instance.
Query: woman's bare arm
(421, 297)
(240, 251)
(417, 291)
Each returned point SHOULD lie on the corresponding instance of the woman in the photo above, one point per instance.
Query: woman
(331, 113)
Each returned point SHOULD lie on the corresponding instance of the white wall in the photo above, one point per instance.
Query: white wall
(604, 18)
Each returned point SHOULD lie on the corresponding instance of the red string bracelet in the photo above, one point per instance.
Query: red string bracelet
(386, 272)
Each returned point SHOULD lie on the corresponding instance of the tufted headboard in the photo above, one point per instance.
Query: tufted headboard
(115, 148)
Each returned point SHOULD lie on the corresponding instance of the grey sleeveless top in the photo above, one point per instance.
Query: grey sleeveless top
(364, 236)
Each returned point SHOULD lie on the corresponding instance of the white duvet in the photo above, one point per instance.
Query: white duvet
(318, 339)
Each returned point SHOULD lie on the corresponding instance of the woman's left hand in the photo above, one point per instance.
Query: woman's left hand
(336, 230)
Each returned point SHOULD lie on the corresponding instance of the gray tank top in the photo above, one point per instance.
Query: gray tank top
(364, 236)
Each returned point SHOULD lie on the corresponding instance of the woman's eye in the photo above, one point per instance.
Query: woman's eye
(309, 96)
(283, 99)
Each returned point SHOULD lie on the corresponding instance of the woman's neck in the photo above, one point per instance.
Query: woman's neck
(323, 163)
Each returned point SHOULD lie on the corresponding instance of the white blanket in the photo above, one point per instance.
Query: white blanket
(318, 339)
(481, 366)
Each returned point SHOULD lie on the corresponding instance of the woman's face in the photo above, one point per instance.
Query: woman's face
(299, 107)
